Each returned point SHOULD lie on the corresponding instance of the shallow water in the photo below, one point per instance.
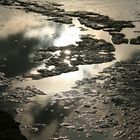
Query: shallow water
(126, 9)
(24, 33)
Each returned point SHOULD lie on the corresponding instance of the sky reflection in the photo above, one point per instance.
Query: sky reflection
(60, 35)
(21, 35)
(47, 115)
(15, 50)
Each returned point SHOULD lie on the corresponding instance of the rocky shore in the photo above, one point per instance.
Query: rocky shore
(66, 59)
(9, 129)
(107, 105)
(87, 51)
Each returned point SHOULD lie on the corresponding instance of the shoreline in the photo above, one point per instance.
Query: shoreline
(103, 53)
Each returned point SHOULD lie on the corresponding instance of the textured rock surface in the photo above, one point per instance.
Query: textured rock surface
(135, 40)
(107, 106)
(65, 59)
(89, 19)
(119, 38)
(117, 93)
(19, 95)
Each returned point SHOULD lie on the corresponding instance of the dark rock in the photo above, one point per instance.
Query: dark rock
(80, 13)
(121, 113)
(64, 20)
(104, 22)
(135, 41)
(117, 101)
(88, 51)
(20, 94)
(118, 38)
(9, 129)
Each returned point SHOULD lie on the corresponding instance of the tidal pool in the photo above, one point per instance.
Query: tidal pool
(21, 33)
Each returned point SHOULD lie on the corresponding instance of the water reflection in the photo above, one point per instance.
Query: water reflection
(21, 37)
(60, 35)
(15, 50)
(46, 116)
(67, 52)
(65, 81)
(5, 16)
(70, 36)
(52, 114)
(15, 22)
(125, 51)
(135, 54)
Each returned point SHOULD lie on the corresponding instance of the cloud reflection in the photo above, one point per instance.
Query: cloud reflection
(20, 38)
(68, 36)
(15, 50)
(61, 35)
(52, 114)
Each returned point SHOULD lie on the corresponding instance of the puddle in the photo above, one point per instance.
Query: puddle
(18, 35)
(21, 35)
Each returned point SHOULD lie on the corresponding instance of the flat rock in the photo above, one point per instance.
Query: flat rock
(20, 95)
(118, 38)
(87, 51)
(135, 41)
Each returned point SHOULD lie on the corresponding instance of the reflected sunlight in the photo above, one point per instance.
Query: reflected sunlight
(68, 36)
(40, 32)
(67, 61)
(68, 52)
(18, 24)
(54, 34)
